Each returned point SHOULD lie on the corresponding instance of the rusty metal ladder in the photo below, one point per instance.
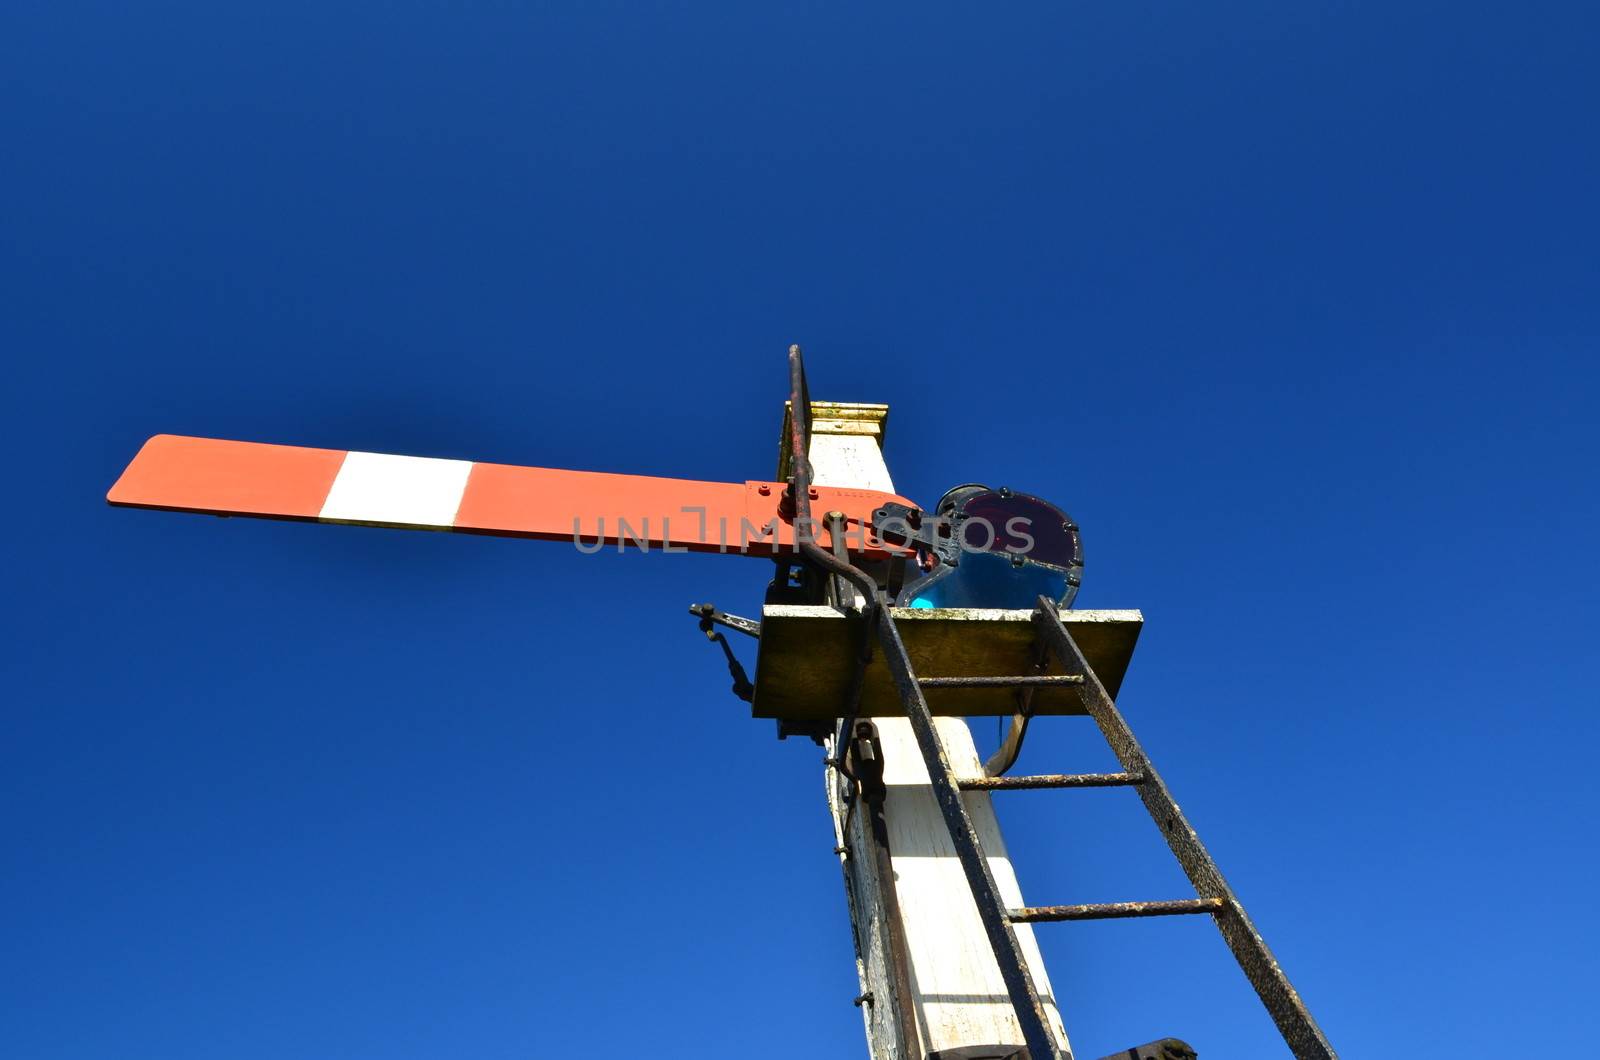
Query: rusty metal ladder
(1213, 895)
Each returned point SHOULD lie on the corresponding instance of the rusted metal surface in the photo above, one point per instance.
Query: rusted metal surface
(1051, 780)
(1282, 1001)
(1002, 681)
(1115, 910)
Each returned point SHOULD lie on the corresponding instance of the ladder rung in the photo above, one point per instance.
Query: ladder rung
(1052, 780)
(1115, 910)
(1017, 681)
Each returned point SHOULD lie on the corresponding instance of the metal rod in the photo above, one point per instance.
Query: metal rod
(805, 541)
(866, 758)
(1017, 681)
(1115, 910)
(840, 566)
(1005, 756)
(1052, 780)
(1288, 1011)
(1002, 935)
(800, 489)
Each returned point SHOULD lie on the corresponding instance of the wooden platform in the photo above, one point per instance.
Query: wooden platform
(804, 665)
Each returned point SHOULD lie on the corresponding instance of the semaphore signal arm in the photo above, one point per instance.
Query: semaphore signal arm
(592, 509)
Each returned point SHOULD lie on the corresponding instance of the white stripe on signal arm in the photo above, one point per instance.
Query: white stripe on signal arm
(389, 490)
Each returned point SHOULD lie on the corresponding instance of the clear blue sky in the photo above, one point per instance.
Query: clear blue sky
(1293, 306)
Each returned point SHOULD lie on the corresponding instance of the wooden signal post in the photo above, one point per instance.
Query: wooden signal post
(957, 997)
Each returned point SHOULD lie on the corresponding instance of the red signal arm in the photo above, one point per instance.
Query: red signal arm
(217, 477)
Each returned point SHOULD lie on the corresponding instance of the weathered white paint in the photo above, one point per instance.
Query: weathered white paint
(852, 460)
(958, 993)
(397, 490)
(961, 999)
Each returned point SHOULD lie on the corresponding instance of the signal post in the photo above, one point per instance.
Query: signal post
(957, 998)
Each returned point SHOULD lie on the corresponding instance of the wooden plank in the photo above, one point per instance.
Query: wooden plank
(803, 666)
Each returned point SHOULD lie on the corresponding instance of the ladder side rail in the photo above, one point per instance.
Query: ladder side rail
(1002, 935)
(1283, 1002)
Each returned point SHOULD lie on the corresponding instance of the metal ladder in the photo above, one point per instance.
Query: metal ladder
(1213, 895)
(853, 589)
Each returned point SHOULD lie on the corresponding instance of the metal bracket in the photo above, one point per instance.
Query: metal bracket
(900, 524)
(709, 614)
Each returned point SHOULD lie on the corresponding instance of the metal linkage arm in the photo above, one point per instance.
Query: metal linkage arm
(710, 616)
